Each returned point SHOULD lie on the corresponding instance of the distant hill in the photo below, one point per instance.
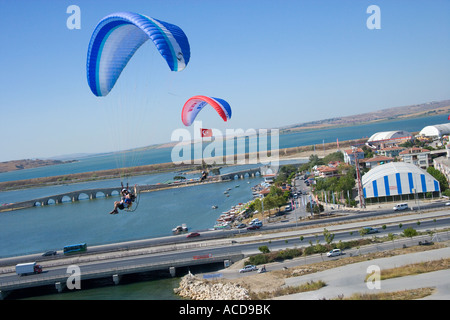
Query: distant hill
(27, 164)
(412, 111)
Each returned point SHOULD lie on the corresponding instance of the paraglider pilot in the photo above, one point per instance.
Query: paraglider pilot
(126, 201)
(204, 175)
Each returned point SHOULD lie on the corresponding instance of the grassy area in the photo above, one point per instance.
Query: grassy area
(414, 269)
(269, 285)
(329, 264)
(310, 286)
(396, 295)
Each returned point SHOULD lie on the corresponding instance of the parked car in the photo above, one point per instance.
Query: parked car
(241, 225)
(426, 243)
(193, 235)
(248, 268)
(334, 252)
(253, 227)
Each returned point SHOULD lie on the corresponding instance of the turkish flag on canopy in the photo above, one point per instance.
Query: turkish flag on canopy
(206, 132)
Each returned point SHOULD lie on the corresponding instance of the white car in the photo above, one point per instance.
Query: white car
(334, 252)
(400, 206)
(248, 268)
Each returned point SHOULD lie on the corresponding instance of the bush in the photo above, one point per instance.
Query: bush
(264, 249)
(274, 256)
(258, 259)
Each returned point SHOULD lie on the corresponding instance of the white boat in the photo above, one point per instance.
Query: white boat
(222, 225)
(179, 229)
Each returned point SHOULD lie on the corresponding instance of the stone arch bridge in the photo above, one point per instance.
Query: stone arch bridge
(90, 194)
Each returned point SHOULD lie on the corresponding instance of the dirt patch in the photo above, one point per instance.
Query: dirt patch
(265, 282)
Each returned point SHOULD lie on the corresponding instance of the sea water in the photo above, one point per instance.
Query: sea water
(163, 155)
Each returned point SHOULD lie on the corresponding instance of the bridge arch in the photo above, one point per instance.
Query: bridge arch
(65, 198)
(100, 194)
(82, 196)
(49, 201)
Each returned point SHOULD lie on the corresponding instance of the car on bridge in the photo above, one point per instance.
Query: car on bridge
(193, 235)
(49, 253)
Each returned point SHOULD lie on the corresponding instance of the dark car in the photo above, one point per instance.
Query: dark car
(253, 227)
(193, 235)
(49, 253)
(370, 230)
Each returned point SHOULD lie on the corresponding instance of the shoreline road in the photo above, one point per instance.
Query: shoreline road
(349, 279)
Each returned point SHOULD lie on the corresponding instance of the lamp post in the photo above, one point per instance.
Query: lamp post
(358, 177)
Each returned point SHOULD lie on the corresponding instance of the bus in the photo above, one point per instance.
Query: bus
(74, 248)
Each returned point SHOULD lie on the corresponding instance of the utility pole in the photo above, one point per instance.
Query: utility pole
(358, 177)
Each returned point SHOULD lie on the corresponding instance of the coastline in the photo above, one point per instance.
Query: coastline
(294, 153)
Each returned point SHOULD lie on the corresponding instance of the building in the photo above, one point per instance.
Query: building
(389, 137)
(390, 151)
(371, 163)
(398, 181)
(326, 172)
(349, 156)
(435, 131)
(443, 164)
(417, 156)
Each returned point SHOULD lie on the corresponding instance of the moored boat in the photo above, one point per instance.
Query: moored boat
(180, 229)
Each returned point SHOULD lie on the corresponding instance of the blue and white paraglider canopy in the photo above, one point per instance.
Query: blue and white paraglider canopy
(117, 37)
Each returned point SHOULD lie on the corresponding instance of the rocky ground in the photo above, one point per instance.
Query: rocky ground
(195, 288)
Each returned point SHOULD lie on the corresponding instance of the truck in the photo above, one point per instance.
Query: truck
(23, 269)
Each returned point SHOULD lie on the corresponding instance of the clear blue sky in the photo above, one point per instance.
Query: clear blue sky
(276, 62)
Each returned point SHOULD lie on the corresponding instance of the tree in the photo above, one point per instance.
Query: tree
(329, 237)
(314, 160)
(270, 202)
(257, 205)
(391, 237)
(363, 232)
(316, 208)
(285, 173)
(409, 232)
(264, 249)
(335, 156)
(440, 177)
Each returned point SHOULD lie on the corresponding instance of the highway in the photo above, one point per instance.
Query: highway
(212, 243)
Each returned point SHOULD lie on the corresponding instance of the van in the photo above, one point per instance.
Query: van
(400, 206)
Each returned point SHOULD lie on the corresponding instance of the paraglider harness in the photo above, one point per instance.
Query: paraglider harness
(134, 198)
(204, 175)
